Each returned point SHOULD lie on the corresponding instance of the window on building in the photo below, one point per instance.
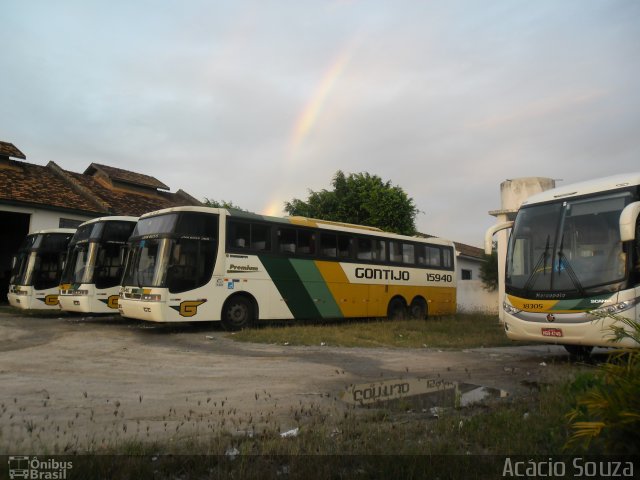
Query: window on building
(466, 274)
(69, 223)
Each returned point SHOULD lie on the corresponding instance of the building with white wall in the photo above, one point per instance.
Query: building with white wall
(36, 197)
(472, 294)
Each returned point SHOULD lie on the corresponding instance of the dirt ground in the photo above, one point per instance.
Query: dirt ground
(70, 383)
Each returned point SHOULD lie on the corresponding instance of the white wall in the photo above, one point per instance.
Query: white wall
(42, 219)
(472, 297)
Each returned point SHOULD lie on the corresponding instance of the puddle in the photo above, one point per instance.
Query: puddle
(419, 393)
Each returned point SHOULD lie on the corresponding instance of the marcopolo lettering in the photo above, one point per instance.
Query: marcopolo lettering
(382, 274)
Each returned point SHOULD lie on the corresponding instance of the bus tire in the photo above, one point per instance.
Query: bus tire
(418, 309)
(238, 312)
(397, 309)
(578, 352)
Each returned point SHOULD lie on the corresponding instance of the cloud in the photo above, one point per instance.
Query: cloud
(445, 99)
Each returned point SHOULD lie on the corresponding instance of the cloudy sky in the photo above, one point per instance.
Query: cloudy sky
(255, 102)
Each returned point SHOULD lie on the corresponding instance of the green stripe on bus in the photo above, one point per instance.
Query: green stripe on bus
(317, 288)
(290, 286)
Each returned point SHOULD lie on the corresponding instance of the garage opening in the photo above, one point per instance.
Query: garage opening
(13, 228)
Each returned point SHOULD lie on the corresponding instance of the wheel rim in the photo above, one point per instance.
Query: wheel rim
(238, 314)
(418, 310)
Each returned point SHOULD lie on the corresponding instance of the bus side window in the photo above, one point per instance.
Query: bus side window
(260, 237)
(395, 252)
(421, 257)
(380, 250)
(364, 249)
(344, 246)
(287, 240)
(306, 242)
(239, 234)
(408, 255)
(328, 245)
(447, 258)
(433, 257)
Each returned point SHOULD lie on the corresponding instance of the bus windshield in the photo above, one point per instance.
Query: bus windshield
(568, 249)
(175, 250)
(96, 254)
(40, 259)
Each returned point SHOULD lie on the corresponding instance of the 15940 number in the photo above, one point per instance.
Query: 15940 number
(437, 277)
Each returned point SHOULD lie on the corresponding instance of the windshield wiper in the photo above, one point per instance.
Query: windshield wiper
(563, 261)
(542, 259)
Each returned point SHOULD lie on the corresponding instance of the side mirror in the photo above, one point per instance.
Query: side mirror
(488, 236)
(628, 220)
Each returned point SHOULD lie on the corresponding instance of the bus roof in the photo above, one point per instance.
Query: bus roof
(303, 222)
(615, 182)
(54, 230)
(115, 218)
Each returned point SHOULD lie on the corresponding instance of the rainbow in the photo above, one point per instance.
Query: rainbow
(308, 117)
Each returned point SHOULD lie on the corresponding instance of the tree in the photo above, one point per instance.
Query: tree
(360, 198)
(208, 202)
(489, 271)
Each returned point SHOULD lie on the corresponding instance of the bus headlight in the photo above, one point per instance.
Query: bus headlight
(151, 298)
(510, 309)
(616, 308)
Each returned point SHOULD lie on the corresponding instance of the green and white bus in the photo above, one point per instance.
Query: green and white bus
(207, 264)
(36, 270)
(573, 260)
(91, 279)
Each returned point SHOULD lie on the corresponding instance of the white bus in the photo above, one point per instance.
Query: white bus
(572, 259)
(36, 269)
(90, 282)
(198, 263)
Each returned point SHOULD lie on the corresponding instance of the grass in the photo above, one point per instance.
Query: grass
(459, 331)
(352, 443)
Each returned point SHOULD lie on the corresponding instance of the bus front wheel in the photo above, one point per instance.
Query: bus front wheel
(397, 309)
(238, 313)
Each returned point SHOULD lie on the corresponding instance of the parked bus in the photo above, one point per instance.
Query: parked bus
(36, 269)
(198, 263)
(91, 279)
(573, 259)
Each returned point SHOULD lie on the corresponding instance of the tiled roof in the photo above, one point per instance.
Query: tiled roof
(126, 176)
(122, 202)
(10, 150)
(52, 187)
(24, 182)
(469, 251)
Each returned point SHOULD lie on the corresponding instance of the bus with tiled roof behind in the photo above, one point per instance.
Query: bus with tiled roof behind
(209, 264)
(91, 278)
(36, 269)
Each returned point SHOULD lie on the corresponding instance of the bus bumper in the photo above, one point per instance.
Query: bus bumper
(596, 332)
(143, 310)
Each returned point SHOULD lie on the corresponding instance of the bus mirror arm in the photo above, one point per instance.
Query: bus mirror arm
(628, 220)
(488, 236)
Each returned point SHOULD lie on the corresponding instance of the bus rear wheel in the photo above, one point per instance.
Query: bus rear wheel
(418, 309)
(238, 313)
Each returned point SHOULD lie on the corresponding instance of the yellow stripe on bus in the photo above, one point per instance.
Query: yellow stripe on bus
(368, 300)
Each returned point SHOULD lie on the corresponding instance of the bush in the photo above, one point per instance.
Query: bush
(606, 418)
